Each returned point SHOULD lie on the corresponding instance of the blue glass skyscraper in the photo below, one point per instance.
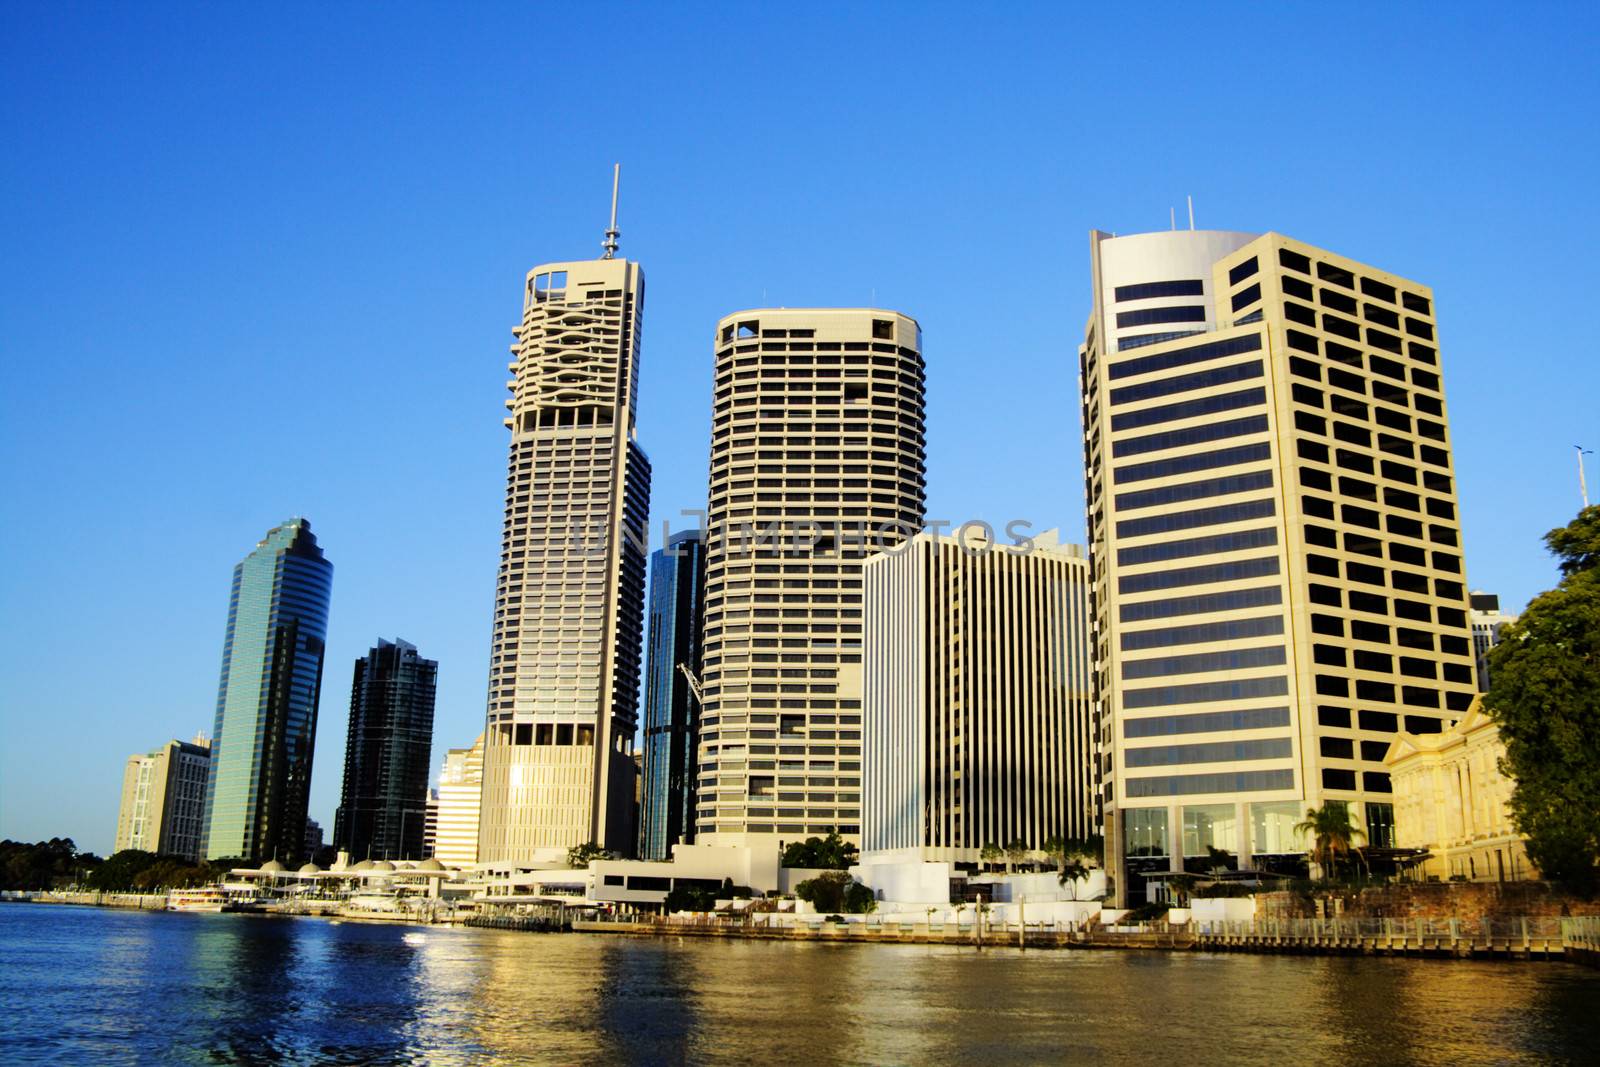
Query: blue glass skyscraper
(267, 699)
(667, 794)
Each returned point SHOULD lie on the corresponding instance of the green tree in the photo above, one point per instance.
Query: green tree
(1331, 832)
(831, 853)
(689, 898)
(579, 856)
(990, 853)
(1545, 695)
(120, 870)
(1016, 851)
(835, 891)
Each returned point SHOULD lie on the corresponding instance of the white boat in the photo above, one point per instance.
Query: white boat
(200, 898)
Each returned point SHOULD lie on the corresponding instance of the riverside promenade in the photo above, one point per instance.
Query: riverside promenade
(1535, 938)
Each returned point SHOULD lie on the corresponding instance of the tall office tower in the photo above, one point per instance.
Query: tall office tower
(564, 673)
(1487, 624)
(677, 601)
(267, 699)
(817, 460)
(164, 799)
(383, 805)
(460, 793)
(976, 718)
(1272, 520)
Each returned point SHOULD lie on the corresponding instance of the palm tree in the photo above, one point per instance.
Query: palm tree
(1331, 832)
(1071, 870)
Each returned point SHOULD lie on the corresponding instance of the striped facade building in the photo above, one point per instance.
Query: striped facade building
(976, 705)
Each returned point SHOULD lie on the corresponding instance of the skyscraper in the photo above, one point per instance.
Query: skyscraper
(677, 603)
(267, 699)
(977, 696)
(383, 806)
(164, 799)
(817, 460)
(1272, 518)
(564, 668)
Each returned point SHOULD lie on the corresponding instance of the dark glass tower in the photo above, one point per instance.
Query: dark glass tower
(677, 598)
(267, 699)
(383, 807)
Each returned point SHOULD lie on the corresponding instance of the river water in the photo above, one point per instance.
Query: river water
(90, 986)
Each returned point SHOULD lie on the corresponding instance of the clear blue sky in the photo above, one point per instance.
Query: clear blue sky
(260, 262)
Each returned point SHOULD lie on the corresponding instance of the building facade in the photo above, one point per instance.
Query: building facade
(460, 793)
(267, 699)
(387, 755)
(817, 460)
(977, 697)
(1272, 518)
(677, 613)
(1451, 799)
(164, 799)
(568, 627)
(1487, 624)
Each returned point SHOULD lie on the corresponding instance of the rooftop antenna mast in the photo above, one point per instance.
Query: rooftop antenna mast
(610, 243)
(1191, 212)
(1583, 486)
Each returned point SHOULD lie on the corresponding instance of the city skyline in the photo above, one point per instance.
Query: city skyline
(186, 491)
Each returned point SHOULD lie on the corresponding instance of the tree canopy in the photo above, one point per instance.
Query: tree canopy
(579, 856)
(835, 891)
(44, 865)
(832, 853)
(1544, 693)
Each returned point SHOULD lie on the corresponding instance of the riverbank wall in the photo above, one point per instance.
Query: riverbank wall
(1527, 938)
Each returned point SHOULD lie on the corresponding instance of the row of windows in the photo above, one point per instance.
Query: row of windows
(1188, 383)
(1189, 784)
(1182, 357)
(1205, 692)
(1209, 487)
(1203, 633)
(1207, 574)
(1191, 435)
(1155, 316)
(1144, 340)
(1238, 659)
(1188, 520)
(1204, 604)
(1215, 752)
(1152, 290)
(1188, 409)
(1199, 546)
(1206, 722)
(1198, 461)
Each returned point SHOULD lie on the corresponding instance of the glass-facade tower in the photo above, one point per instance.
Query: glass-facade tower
(677, 598)
(383, 807)
(266, 721)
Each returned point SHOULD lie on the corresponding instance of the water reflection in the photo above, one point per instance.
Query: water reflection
(82, 985)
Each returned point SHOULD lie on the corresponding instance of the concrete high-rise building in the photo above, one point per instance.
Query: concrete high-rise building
(164, 799)
(387, 753)
(817, 460)
(267, 699)
(1277, 554)
(314, 841)
(564, 673)
(1487, 624)
(677, 602)
(460, 793)
(430, 824)
(978, 680)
